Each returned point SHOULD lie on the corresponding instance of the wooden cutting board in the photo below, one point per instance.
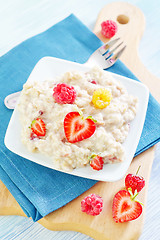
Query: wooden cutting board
(131, 24)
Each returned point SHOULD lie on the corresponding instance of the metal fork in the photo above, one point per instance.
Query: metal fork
(105, 56)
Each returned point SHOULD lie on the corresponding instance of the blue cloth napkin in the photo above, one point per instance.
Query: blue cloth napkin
(40, 190)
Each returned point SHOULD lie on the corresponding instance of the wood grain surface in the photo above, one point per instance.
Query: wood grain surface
(103, 227)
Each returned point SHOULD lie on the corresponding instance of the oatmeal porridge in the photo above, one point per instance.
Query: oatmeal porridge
(76, 117)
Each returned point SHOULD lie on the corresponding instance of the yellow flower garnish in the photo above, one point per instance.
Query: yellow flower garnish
(101, 98)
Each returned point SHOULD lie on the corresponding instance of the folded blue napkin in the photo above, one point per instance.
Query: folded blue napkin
(40, 190)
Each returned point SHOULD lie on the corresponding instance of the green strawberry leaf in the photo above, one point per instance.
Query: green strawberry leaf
(90, 117)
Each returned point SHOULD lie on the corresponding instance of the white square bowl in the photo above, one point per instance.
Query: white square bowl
(48, 68)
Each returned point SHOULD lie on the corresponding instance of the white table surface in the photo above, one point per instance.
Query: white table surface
(21, 19)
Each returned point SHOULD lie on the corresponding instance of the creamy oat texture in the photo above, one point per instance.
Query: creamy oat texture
(112, 125)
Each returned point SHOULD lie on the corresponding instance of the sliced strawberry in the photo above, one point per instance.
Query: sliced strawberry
(125, 208)
(96, 162)
(77, 128)
(38, 127)
(93, 81)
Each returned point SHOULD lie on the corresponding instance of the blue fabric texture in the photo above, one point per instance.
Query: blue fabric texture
(40, 190)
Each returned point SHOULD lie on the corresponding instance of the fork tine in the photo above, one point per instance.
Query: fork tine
(107, 55)
(118, 54)
(103, 49)
(111, 60)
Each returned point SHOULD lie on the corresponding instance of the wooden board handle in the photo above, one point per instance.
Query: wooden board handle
(131, 25)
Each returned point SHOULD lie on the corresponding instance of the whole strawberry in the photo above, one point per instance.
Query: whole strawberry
(134, 182)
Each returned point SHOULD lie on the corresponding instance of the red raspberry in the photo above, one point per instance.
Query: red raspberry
(92, 204)
(109, 28)
(134, 182)
(64, 93)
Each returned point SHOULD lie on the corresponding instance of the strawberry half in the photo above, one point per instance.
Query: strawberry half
(38, 127)
(77, 128)
(125, 208)
(96, 162)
